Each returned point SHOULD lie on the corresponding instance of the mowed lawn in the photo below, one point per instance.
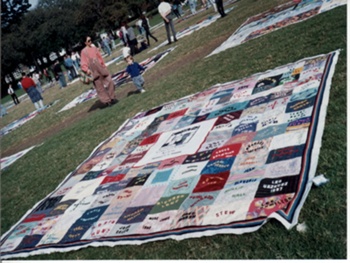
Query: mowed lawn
(70, 136)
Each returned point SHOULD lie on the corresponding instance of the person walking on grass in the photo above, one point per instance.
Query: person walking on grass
(34, 95)
(12, 93)
(165, 11)
(93, 64)
(145, 25)
(59, 75)
(134, 70)
(220, 7)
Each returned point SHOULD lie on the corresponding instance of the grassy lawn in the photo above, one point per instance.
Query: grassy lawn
(69, 137)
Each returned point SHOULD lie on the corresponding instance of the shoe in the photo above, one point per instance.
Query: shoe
(142, 91)
(175, 40)
(114, 101)
(169, 43)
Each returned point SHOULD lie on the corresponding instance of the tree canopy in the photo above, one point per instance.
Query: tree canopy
(12, 12)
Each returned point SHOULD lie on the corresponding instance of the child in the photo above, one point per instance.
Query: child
(133, 69)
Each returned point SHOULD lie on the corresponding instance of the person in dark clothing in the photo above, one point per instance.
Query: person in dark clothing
(134, 69)
(145, 25)
(176, 4)
(220, 7)
(11, 92)
(59, 74)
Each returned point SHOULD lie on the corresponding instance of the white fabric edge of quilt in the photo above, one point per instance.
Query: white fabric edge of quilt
(287, 225)
(317, 144)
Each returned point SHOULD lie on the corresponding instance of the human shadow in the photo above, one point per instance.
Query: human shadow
(99, 105)
(133, 92)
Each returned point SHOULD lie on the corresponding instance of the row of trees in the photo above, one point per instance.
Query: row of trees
(28, 35)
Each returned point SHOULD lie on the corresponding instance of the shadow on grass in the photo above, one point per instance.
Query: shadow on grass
(98, 105)
(133, 92)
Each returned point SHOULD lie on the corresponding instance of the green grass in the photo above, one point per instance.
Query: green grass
(39, 172)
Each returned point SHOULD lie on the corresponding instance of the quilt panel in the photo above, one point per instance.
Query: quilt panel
(277, 18)
(221, 161)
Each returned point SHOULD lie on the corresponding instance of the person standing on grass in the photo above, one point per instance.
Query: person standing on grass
(36, 78)
(69, 64)
(193, 5)
(176, 5)
(220, 7)
(211, 2)
(165, 11)
(145, 25)
(59, 74)
(11, 92)
(105, 42)
(132, 40)
(34, 95)
(93, 64)
(134, 70)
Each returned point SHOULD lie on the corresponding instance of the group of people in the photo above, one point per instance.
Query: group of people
(31, 84)
(127, 35)
(91, 62)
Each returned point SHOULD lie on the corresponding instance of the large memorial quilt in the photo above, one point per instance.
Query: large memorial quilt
(277, 18)
(221, 161)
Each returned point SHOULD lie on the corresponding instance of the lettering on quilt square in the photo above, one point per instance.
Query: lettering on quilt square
(199, 199)
(192, 216)
(211, 182)
(227, 213)
(157, 222)
(168, 203)
(263, 207)
(134, 215)
(189, 170)
(181, 186)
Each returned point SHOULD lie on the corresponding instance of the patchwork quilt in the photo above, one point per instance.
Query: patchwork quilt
(221, 161)
(277, 18)
(18, 123)
(119, 79)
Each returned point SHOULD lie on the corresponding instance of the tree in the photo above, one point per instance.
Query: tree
(102, 14)
(12, 12)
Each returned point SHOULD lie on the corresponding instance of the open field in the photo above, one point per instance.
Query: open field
(70, 136)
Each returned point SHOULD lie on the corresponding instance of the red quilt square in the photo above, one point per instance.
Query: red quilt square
(211, 182)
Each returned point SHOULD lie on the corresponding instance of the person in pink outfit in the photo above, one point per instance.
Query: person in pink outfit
(93, 64)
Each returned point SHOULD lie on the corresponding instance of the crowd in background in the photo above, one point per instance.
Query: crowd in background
(136, 38)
